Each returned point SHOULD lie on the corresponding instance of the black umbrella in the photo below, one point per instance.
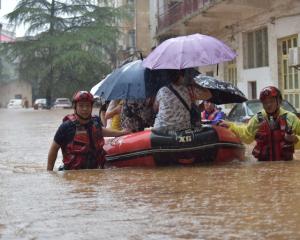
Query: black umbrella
(133, 81)
(126, 82)
(222, 92)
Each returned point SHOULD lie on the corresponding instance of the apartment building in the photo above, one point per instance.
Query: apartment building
(260, 31)
(135, 38)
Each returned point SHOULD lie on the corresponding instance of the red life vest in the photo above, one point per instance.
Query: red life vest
(270, 143)
(85, 151)
(211, 116)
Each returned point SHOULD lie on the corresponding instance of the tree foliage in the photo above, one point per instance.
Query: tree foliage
(7, 71)
(69, 45)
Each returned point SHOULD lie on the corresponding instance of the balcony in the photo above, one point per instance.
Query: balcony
(181, 11)
(210, 16)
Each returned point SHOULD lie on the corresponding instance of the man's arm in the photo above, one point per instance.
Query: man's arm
(246, 132)
(106, 132)
(52, 155)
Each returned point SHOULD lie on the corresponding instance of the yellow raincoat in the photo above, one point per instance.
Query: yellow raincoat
(246, 132)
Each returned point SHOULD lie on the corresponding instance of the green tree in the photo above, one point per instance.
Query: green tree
(7, 71)
(70, 44)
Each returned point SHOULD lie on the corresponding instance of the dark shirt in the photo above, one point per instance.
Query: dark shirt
(66, 132)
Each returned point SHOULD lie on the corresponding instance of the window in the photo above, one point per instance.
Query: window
(131, 6)
(230, 75)
(131, 39)
(210, 73)
(252, 93)
(289, 77)
(18, 96)
(256, 52)
(172, 3)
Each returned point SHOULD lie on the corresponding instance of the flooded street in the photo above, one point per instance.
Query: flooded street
(246, 200)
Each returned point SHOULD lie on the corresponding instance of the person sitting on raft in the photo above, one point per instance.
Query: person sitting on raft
(113, 114)
(136, 115)
(211, 113)
(172, 112)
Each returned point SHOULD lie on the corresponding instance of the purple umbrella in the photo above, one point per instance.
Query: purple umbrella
(187, 52)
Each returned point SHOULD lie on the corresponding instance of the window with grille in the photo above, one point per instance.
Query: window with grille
(256, 52)
(230, 75)
(252, 92)
(210, 73)
(131, 39)
(289, 77)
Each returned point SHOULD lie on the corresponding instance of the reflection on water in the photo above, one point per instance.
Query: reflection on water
(246, 200)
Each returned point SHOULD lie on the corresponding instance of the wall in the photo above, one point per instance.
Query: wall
(280, 28)
(9, 90)
(153, 6)
(281, 18)
(142, 26)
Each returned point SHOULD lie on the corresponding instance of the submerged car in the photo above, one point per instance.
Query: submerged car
(40, 103)
(15, 103)
(62, 103)
(242, 112)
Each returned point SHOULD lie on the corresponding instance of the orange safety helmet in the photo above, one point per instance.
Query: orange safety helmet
(83, 96)
(270, 91)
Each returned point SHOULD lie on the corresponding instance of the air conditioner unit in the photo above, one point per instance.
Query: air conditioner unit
(294, 57)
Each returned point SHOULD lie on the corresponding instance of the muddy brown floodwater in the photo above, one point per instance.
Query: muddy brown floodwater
(247, 200)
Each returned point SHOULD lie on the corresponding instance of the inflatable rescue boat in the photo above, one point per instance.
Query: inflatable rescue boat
(150, 148)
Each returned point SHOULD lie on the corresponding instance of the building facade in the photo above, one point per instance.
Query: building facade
(15, 89)
(10, 84)
(142, 26)
(260, 31)
(135, 39)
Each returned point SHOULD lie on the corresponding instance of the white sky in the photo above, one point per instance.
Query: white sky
(8, 6)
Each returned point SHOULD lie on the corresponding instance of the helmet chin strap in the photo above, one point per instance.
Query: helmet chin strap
(273, 113)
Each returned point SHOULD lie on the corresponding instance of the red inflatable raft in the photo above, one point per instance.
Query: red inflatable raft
(208, 144)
